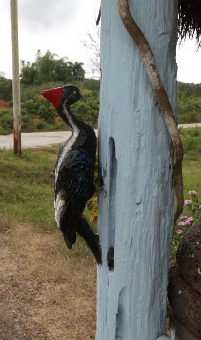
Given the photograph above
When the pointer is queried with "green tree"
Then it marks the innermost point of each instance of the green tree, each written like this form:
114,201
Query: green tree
28,73
77,70
189,102
49,68
62,70
188,90
5,88
45,67
92,84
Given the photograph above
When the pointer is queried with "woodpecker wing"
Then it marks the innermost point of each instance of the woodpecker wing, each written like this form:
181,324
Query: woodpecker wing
73,188
76,174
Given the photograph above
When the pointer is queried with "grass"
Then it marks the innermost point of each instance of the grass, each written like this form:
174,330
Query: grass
191,181
40,278
26,184
191,139
192,175
26,192
26,187
50,277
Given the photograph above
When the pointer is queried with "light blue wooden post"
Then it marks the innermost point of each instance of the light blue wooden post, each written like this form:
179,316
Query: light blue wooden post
136,208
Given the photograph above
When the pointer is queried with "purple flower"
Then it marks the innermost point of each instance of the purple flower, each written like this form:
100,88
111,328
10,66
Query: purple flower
190,219
183,217
181,223
192,192
179,232
187,222
187,202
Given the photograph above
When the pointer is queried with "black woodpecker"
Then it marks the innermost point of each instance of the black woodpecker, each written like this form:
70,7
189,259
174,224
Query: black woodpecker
74,171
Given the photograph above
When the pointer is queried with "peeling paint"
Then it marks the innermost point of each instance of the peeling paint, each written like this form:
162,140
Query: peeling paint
131,299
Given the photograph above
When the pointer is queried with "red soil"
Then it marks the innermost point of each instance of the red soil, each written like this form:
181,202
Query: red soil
4,105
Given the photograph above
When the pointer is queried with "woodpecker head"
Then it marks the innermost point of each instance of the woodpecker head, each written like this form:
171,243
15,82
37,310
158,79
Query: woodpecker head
57,96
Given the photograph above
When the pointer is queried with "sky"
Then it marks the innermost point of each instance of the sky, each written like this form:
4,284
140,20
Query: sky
61,26
58,26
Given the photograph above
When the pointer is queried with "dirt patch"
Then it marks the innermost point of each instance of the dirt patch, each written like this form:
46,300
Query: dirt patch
4,105
44,294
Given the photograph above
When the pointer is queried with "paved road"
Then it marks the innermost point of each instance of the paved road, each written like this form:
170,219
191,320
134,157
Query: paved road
38,139
35,139
186,126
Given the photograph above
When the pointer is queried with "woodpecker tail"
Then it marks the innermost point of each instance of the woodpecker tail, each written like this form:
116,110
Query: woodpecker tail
70,239
91,239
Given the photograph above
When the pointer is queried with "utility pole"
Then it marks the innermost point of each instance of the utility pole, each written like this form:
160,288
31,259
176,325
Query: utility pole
15,80
136,201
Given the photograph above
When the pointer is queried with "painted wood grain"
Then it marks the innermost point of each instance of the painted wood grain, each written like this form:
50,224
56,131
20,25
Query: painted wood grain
136,161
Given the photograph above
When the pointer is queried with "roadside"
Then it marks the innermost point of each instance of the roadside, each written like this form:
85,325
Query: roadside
38,139
45,293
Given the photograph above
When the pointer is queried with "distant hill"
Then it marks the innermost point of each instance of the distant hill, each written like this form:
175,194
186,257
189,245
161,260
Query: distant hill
188,89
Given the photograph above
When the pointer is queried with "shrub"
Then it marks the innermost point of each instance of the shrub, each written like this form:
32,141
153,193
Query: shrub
40,107
5,112
87,108
37,108
5,88
40,125
29,92
6,119
191,139
193,205
26,122
189,109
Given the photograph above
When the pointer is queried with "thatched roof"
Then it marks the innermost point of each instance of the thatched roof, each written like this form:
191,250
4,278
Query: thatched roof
190,19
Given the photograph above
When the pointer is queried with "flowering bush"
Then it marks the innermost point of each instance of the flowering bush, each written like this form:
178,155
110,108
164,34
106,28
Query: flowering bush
193,205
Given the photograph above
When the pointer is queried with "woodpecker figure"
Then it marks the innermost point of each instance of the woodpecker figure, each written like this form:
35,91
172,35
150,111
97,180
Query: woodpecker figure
74,171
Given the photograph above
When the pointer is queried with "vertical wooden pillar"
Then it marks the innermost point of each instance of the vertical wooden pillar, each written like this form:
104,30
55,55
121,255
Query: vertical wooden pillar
15,80
136,161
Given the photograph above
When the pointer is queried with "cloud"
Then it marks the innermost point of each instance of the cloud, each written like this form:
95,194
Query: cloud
45,14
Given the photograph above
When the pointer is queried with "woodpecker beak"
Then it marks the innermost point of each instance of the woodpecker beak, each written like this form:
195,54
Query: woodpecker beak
54,96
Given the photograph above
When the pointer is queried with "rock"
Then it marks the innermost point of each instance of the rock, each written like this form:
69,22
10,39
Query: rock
189,257
181,332
185,301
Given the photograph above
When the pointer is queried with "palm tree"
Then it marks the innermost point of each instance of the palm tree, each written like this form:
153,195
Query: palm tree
77,70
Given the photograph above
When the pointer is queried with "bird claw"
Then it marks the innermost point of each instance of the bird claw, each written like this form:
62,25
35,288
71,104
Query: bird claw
103,188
